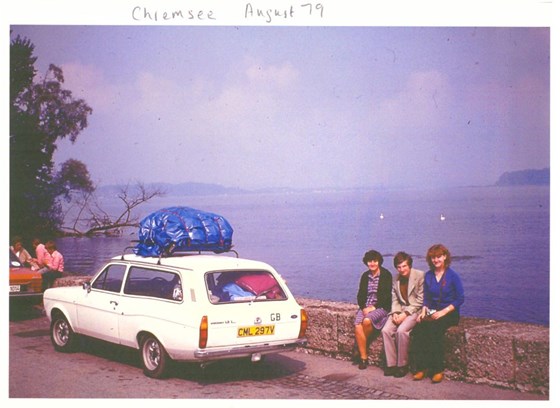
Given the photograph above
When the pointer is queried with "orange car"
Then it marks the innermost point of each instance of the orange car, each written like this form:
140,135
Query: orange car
26,285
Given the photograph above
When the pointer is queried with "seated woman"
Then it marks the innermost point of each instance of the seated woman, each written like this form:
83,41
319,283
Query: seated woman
443,297
374,301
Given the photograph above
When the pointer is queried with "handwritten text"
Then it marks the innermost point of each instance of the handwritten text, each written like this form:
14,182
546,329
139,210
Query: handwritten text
146,14
271,14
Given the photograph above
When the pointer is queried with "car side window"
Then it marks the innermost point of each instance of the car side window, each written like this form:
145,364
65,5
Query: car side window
153,283
111,278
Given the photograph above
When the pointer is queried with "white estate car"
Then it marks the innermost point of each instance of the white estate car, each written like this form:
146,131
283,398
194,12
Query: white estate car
192,308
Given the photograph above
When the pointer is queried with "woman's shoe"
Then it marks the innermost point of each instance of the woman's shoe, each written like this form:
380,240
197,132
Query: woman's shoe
419,375
437,378
363,364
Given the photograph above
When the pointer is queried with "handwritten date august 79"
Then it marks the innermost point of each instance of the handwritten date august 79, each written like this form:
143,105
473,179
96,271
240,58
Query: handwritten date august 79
271,14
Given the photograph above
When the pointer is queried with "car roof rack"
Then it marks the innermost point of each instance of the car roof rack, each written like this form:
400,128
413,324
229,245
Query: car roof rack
169,252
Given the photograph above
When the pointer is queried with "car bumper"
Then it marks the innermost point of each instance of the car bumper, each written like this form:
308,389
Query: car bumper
26,298
241,351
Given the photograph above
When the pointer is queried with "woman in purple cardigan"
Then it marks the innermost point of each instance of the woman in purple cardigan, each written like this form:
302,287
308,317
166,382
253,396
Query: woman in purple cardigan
443,297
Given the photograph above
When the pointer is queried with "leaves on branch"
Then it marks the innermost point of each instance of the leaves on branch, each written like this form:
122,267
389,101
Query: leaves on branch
42,112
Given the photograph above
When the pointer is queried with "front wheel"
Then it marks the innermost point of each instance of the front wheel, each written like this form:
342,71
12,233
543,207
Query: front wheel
63,337
154,357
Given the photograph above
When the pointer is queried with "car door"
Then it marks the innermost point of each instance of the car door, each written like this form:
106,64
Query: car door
149,302
98,314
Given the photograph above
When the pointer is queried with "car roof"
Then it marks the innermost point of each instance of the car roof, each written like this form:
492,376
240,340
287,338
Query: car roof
197,262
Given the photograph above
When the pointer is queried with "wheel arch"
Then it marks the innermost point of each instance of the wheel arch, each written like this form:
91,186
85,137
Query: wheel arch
64,307
57,312
142,334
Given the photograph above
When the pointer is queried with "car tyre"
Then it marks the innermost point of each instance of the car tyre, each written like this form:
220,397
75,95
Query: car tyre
63,337
155,359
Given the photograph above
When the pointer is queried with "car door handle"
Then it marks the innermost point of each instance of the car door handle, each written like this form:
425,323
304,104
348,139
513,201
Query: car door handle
114,302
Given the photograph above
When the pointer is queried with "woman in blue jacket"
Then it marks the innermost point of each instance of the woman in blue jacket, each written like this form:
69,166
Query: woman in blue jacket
443,297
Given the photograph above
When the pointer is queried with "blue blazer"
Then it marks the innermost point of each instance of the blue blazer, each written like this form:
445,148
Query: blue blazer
448,291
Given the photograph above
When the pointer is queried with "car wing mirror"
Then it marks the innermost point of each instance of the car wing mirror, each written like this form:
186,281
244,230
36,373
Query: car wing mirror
87,286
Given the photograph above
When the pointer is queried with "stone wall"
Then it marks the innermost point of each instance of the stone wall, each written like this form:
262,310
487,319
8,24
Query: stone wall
502,354
71,280
498,353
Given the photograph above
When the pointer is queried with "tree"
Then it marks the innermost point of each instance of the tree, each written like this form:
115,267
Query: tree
41,113
72,177
89,218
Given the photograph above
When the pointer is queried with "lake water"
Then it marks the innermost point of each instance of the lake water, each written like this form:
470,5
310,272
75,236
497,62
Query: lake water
499,238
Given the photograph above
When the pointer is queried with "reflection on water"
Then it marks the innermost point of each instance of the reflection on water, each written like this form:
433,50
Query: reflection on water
85,256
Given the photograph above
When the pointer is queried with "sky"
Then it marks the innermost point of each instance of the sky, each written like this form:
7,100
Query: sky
259,106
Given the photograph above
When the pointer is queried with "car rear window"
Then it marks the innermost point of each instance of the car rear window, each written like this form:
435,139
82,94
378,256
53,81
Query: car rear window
153,283
242,286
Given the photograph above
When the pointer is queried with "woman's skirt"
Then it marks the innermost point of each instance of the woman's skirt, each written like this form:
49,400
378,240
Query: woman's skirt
378,317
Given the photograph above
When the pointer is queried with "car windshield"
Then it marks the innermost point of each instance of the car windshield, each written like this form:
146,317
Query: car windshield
243,286
14,261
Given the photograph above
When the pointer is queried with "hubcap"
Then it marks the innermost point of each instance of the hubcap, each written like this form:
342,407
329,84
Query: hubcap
61,332
152,354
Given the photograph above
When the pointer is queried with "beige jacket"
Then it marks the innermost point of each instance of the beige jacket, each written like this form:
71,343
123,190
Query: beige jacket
415,293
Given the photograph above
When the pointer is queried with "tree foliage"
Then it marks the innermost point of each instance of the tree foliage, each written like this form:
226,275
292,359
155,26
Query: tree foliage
41,113
72,177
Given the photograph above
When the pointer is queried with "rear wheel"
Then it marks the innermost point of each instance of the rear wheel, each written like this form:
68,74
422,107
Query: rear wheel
63,337
154,357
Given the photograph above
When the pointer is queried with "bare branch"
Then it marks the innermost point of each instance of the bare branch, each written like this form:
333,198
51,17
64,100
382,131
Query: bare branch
99,221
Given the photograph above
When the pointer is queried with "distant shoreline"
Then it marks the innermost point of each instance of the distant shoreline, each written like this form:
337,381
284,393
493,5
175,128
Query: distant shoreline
525,178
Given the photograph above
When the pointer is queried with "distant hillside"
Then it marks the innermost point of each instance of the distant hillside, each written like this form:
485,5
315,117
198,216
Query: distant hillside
525,178
181,189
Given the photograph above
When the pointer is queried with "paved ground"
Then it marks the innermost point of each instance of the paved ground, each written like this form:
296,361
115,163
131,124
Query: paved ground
101,370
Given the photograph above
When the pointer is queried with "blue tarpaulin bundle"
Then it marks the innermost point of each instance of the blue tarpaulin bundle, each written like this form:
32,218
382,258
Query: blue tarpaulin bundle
183,229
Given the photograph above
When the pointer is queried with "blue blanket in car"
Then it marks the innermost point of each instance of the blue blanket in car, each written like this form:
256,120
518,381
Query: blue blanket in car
183,229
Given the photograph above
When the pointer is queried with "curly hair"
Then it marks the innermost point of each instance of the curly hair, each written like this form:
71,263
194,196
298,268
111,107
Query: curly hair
438,250
372,255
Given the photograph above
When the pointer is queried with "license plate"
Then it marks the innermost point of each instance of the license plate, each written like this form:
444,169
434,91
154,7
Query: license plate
255,331
15,288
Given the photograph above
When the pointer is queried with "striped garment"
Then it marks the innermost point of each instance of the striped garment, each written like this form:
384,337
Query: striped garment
378,317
